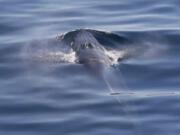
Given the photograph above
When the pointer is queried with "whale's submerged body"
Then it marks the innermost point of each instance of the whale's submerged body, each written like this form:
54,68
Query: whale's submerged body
90,52
96,50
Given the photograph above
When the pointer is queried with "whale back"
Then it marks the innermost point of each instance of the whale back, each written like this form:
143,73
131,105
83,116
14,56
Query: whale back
84,39
88,49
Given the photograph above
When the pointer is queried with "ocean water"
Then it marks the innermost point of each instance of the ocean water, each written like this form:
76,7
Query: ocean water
41,95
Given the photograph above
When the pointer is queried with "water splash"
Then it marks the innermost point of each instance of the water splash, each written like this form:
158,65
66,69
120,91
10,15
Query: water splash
57,57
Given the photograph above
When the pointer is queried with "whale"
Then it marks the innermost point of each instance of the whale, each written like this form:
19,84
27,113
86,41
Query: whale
92,49
88,51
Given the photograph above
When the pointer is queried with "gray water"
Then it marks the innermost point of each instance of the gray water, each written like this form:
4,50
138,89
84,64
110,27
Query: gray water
54,98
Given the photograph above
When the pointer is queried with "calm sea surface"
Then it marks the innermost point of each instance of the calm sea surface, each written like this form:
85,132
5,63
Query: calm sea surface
51,98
